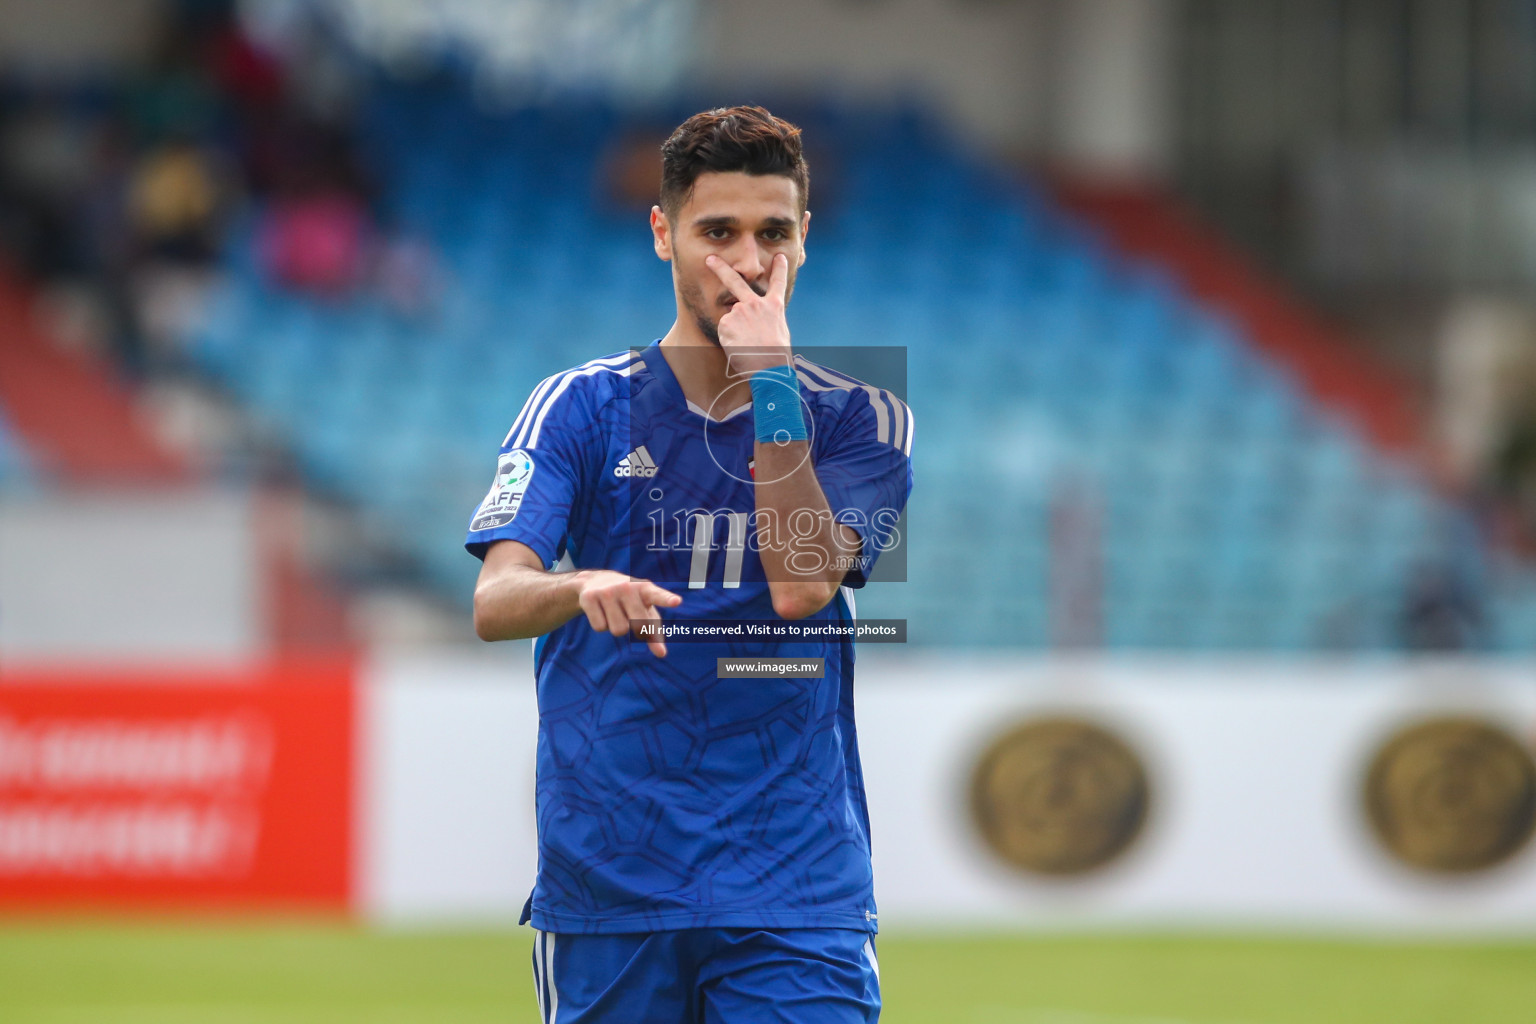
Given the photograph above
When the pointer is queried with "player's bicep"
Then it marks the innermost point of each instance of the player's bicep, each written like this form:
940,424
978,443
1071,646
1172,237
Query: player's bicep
505,556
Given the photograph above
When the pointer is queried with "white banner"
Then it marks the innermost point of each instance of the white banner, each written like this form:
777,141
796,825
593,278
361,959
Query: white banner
1254,776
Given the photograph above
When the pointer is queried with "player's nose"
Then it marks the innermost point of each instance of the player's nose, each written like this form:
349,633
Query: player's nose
749,263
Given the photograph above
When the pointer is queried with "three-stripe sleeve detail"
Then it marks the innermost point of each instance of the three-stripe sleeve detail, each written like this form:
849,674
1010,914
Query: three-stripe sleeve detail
525,429
893,420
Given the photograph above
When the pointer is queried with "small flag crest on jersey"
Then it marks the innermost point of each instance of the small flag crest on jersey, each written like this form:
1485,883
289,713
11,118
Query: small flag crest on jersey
636,463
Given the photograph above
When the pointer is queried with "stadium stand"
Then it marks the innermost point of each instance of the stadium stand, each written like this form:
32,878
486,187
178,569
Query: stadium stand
78,418
1058,386
1333,367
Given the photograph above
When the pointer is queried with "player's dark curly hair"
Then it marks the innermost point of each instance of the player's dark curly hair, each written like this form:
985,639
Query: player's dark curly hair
730,139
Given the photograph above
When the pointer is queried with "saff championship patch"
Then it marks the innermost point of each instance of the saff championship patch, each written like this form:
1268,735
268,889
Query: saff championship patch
513,471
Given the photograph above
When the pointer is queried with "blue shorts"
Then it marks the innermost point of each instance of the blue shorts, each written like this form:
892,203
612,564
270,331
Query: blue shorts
708,976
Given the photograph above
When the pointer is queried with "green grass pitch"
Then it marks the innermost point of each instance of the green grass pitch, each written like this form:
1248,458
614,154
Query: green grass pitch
264,972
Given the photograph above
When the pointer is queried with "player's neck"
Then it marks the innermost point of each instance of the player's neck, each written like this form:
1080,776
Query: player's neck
699,366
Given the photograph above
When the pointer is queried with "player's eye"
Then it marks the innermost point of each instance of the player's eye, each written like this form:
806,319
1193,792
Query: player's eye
776,235
717,234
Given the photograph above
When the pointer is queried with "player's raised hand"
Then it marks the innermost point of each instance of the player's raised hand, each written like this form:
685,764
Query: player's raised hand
754,332
613,601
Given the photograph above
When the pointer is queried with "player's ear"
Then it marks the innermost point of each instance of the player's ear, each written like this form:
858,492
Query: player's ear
805,227
661,233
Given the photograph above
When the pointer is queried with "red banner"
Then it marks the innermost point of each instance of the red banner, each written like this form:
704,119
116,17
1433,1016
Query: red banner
178,789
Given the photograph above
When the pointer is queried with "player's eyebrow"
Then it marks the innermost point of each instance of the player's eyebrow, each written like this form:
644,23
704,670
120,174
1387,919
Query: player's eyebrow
725,220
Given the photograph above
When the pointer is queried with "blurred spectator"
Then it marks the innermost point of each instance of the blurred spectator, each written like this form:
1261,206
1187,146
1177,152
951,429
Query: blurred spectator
1440,612
178,198
317,233
1514,470
249,76
315,243
176,98
408,276
175,198
46,163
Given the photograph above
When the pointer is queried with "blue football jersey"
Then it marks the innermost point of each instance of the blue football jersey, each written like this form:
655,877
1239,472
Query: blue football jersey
669,798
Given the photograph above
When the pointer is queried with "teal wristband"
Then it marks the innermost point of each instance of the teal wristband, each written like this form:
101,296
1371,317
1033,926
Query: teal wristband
776,405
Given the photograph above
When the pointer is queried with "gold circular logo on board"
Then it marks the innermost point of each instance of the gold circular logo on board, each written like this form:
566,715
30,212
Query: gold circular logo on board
1059,796
1452,795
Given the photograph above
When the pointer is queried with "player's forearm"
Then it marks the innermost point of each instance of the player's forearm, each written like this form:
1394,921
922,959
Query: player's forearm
805,554
522,602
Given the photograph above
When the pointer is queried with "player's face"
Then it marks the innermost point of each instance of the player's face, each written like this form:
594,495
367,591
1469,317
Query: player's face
744,219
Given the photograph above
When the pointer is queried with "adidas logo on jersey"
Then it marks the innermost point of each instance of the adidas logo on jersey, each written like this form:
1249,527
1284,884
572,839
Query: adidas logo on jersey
636,463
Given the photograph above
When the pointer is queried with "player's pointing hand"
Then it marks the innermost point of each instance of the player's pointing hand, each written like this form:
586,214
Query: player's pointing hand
613,601
753,331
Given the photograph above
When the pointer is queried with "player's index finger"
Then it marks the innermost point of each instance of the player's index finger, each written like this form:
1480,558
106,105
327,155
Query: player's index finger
658,595
727,273
645,623
778,276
